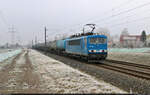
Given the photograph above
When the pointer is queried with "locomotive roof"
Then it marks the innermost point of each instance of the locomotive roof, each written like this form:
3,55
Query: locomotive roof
87,36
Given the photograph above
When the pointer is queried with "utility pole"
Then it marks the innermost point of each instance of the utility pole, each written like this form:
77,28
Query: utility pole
12,31
45,36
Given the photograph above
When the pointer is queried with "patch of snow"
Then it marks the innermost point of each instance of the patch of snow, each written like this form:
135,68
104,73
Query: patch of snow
25,86
6,55
5,50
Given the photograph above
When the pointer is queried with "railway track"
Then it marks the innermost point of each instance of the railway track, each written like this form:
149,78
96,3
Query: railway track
129,64
133,69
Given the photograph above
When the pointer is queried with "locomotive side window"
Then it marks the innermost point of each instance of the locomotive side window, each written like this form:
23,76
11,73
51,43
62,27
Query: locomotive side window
74,42
98,40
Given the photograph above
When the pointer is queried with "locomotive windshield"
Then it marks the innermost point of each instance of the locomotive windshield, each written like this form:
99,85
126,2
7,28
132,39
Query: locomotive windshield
97,40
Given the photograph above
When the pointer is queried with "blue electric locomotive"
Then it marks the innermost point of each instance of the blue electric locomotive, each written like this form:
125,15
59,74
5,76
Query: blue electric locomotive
90,47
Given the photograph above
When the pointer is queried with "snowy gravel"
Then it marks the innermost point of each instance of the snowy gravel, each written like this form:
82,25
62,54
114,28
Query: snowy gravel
60,78
6,55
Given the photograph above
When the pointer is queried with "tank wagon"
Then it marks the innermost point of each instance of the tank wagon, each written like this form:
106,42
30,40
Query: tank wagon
60,44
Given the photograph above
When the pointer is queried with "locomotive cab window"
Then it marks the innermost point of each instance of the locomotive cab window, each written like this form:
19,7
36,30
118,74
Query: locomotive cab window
98,40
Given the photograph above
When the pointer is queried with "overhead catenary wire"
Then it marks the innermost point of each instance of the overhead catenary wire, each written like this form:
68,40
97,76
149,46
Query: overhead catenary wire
126,17
127,11
122,4
113,9
127,2
123,12
144,18
115,15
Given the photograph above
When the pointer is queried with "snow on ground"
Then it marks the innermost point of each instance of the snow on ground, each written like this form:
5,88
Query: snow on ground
60,78
133,50
4,50
140,56
13,81
8,61
6,55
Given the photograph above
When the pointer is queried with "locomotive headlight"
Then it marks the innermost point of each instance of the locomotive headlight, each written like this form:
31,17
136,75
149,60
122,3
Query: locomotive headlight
90,50
94,50
100,50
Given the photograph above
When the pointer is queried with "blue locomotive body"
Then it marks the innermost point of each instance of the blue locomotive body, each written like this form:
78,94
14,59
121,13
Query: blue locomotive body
76,46
92,46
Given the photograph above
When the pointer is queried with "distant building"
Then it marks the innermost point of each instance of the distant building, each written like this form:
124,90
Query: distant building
130,41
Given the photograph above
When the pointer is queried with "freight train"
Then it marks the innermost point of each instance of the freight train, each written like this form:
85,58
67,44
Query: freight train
87,46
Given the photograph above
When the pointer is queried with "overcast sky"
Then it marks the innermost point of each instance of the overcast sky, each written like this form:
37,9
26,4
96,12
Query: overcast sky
67,16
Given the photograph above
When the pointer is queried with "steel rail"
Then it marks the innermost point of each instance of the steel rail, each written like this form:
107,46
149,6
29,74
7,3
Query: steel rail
129,64
127,71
